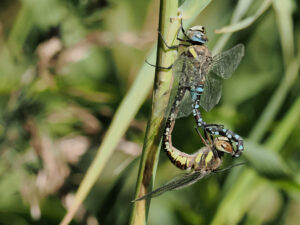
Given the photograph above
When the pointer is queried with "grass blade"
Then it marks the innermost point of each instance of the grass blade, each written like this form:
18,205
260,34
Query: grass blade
245,22
124,115
189,10
239,11
283,12
276,101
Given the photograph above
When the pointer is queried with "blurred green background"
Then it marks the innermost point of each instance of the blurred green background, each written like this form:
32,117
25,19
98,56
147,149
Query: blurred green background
66,65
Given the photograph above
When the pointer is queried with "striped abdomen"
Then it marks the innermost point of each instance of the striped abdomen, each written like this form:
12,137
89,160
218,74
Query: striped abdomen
178,158
196,93
205,158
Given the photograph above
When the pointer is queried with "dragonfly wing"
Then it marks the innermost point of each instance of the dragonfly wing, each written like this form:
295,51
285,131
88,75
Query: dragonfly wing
225,63
172,93
186,72
181,71
190,179
175,184
172,97
184,180
185,106
212,92
189,72
176,73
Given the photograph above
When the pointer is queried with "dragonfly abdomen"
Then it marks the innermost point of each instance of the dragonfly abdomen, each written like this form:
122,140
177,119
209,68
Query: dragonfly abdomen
204,159
196,93
179,159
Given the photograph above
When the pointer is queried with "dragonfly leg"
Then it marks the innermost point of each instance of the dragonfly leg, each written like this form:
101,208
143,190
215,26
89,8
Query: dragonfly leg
159,67
179,39
209,137
183,31
207,125
173,46
204,140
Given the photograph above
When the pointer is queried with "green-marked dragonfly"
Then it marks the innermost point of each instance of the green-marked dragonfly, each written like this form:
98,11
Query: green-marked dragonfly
202,163
198,79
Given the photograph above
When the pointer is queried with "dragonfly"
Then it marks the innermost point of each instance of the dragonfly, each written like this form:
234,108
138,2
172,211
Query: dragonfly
201,164
197,81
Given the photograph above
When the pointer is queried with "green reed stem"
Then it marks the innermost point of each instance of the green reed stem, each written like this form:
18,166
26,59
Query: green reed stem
168,25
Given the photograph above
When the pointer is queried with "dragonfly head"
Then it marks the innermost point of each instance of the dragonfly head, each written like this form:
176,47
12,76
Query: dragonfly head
197,34
223,144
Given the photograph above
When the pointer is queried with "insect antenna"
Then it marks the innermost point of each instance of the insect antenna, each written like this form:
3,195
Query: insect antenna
203,140
159,67
209,137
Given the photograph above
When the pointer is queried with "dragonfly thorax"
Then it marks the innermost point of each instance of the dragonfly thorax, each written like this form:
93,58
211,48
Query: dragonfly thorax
197,34
197,64
209,158
199,53
206,159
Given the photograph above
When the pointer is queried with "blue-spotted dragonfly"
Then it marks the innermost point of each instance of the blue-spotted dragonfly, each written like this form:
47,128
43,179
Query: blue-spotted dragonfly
201,164
197,82
198,79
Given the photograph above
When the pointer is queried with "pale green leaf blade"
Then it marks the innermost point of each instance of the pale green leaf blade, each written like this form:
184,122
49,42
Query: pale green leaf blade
247,21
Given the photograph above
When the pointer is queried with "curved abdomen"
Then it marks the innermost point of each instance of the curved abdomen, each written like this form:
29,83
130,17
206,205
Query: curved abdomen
204,159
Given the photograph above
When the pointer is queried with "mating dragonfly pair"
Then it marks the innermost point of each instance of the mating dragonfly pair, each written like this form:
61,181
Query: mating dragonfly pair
197,82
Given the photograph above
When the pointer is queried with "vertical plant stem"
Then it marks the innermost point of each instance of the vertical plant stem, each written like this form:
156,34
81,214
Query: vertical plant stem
168,25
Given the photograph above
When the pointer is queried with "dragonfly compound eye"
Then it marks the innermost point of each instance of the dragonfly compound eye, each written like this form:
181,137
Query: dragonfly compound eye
197,28
223,145
197,34
202,29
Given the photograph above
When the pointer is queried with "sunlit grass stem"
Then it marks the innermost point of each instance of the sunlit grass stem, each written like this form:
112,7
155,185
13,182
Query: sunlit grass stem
168,26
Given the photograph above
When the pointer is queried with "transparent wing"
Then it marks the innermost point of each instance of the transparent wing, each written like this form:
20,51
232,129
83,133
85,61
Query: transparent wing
184,180
187,72
173,93
180,82
173,90
212,92
225,63
185,106
175,184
